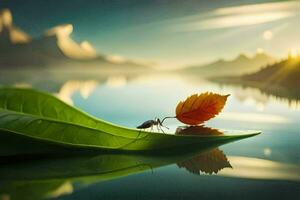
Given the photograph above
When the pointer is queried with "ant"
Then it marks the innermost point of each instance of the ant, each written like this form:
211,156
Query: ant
156,122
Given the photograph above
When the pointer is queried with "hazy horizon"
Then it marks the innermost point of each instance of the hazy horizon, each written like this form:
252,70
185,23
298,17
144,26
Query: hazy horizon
169,34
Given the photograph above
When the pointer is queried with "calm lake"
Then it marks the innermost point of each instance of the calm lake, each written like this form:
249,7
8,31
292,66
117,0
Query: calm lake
266,166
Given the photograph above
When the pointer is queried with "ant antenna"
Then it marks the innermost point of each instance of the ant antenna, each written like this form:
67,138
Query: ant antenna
166,118
161,122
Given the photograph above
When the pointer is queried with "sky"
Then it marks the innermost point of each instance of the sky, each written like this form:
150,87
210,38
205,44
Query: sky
169,33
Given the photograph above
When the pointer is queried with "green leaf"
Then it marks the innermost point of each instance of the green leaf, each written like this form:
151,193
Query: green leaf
40,178
28,116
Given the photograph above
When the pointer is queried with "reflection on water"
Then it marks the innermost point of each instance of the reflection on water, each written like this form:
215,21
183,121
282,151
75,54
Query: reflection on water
45,178
68,83
262,97
254,117
128,100
254,168
50,178
210,162
55,177
246,96
69,88
116,81
197,130
63,189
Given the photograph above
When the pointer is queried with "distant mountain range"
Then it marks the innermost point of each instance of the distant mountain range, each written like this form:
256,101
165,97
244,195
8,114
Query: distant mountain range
281,78
285,74
242,64
54,48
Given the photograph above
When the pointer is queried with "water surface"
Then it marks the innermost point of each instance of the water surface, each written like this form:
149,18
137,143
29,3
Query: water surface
263,167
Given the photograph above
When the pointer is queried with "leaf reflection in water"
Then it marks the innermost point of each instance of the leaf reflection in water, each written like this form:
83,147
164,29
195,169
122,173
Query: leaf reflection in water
197,130
52,177
208,162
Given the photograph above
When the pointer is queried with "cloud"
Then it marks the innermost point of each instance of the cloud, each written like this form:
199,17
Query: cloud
116,59
69,88
263,7
237,20
68,46
238,16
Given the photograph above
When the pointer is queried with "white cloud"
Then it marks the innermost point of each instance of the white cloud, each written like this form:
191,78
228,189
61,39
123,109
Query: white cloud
238,16
263,7
237,20
69,88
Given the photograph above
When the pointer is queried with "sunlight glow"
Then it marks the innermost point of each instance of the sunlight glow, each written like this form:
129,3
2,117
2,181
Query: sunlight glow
267,151
255,168
268,35
259,51
293,53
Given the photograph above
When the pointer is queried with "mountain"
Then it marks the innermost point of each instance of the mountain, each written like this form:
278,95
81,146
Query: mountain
54,49
283,74
242,64
281,79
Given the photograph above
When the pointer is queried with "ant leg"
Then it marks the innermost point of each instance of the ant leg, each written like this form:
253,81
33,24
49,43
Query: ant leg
165,127
160,128
160,122
157,128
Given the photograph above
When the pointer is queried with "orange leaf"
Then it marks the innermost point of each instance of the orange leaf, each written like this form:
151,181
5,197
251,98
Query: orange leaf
197,130
197,109
208,162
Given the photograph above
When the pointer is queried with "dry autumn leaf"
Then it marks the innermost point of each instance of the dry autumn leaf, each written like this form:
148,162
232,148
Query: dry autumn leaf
197,130
197,109
208,162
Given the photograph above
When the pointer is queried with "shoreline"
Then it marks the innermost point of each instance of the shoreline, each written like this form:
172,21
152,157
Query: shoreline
275,90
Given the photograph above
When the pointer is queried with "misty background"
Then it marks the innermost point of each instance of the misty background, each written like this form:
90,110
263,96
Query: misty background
169,34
